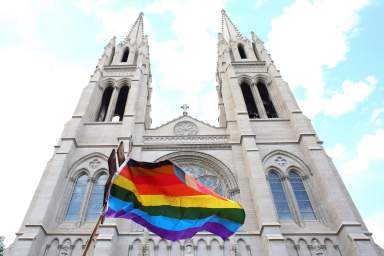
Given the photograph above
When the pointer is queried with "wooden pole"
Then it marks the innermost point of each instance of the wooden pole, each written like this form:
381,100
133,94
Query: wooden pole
112,170
91,237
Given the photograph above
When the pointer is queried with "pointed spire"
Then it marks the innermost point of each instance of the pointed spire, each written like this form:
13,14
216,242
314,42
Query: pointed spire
136,34
228,29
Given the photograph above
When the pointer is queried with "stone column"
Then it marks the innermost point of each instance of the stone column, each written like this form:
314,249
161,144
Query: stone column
112,105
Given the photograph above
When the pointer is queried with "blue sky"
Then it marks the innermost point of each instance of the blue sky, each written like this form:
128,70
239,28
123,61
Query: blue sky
330,52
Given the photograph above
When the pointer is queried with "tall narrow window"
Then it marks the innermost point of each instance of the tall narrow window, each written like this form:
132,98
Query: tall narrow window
125,55
104,104
301,195
267,102
240,47
249,101
73,213
96,200
279,197
120,104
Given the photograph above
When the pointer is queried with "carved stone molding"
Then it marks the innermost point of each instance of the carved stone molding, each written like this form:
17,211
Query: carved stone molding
186,139
280,160
94,163
185,128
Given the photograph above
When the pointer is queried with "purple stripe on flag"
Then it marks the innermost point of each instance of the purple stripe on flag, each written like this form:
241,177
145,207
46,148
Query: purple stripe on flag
212,227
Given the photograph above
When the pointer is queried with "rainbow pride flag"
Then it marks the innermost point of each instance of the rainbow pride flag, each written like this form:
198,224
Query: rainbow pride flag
164,199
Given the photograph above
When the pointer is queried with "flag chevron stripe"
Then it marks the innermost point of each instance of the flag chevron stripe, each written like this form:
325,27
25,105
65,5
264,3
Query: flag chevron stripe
140,171
176,235
167,223
236,215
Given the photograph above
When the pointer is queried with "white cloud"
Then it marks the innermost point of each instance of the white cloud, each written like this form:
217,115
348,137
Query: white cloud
113,21
315,37
376,116
187,62
352,94
369,149
38,96
375,224
337,152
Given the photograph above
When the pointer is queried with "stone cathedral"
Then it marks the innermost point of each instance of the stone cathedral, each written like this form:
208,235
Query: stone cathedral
264,154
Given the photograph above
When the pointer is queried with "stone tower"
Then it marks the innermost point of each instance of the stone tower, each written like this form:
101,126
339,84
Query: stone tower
264,154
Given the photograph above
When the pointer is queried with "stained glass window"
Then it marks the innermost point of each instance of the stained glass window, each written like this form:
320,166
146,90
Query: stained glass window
205,177
73,213
96,200
301,195
279,196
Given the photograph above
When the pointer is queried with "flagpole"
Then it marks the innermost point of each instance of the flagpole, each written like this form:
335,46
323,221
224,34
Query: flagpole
91,237
112,170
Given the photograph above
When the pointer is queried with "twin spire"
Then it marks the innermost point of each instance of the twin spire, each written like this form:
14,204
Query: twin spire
228,29
136,34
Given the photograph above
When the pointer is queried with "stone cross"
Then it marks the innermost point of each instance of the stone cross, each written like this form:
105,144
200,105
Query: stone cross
185,107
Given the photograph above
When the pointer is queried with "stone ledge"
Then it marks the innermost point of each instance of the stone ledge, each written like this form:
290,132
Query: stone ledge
358,237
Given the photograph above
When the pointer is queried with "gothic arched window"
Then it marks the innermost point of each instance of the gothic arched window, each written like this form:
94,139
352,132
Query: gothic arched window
96,199
125,55
279,197
301,195
102,114
249,101
74,208
121,101
267,102
241,49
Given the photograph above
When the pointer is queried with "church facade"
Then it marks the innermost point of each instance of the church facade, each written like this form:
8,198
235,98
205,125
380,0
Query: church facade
264,154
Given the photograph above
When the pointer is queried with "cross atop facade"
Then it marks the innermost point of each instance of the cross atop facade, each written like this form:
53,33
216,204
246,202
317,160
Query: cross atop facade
185,107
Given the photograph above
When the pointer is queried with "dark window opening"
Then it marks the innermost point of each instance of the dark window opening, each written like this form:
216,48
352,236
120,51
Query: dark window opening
255,51
249,101
104,104
121,101
125,55
267,102
240,47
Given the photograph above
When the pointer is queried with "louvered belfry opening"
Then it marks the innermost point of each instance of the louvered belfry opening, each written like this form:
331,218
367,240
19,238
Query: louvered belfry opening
125,55
267,102
249,101
102,114
121,102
